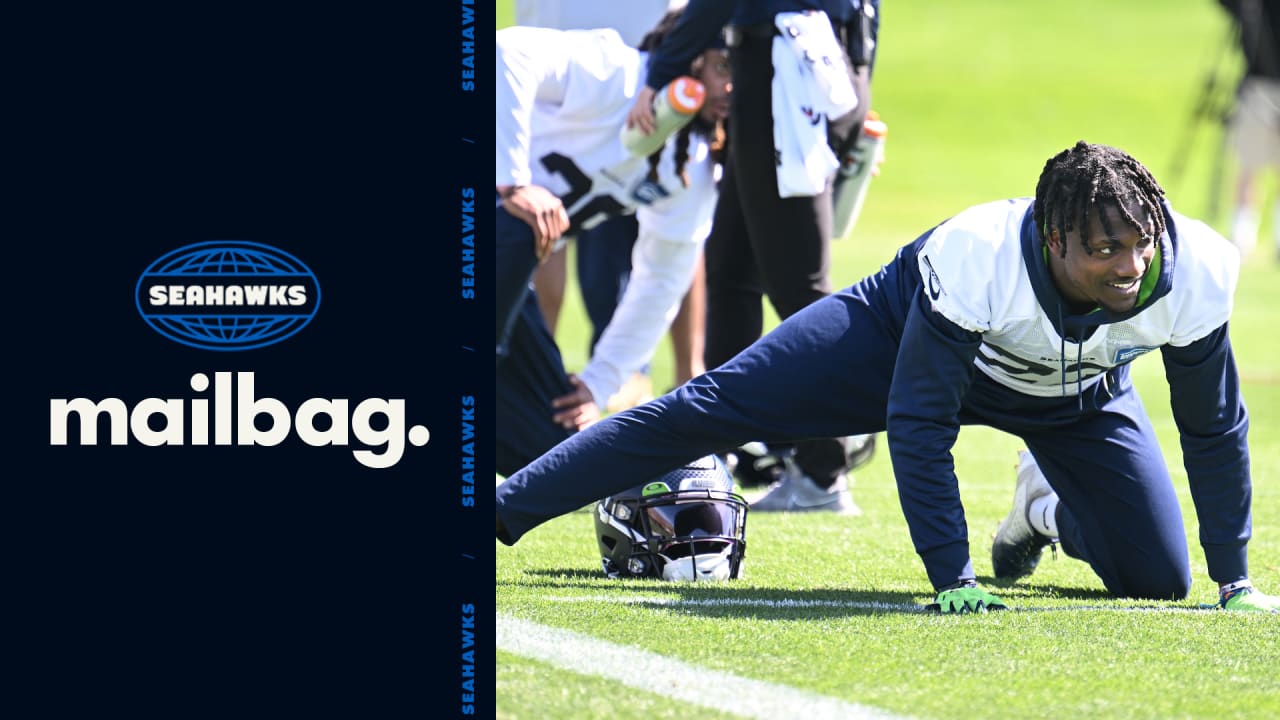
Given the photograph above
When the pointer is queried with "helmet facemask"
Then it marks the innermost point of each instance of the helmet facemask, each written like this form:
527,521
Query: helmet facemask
681,535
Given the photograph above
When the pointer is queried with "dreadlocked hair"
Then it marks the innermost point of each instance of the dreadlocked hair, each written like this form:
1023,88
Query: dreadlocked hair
1085,176
717,134
682,157
717,139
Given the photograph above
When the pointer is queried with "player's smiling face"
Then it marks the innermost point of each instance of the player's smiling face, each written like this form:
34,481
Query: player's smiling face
712,69
1109,272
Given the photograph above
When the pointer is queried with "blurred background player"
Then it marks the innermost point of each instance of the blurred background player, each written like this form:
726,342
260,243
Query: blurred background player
561,168
792,120
1254,126
603,252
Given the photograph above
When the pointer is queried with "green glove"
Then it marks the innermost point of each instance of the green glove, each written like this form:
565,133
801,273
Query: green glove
1246,599
966,598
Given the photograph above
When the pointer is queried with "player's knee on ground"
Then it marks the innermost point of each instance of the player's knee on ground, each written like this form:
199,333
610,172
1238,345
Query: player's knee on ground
1148,578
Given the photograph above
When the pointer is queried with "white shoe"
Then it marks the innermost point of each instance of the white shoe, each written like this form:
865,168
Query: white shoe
1017,546
859,450
797,492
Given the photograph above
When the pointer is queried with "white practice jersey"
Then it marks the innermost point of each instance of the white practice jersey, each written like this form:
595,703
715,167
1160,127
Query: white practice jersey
974,270
562,99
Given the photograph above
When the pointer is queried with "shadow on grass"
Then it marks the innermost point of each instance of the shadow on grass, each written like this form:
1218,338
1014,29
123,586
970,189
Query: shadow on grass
742,600
1044,590
576,574
722,599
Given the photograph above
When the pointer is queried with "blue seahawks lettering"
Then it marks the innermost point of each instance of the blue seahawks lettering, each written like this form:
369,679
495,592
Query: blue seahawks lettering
1124,355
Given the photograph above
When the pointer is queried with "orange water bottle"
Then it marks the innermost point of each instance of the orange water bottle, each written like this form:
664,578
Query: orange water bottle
673,107
856,170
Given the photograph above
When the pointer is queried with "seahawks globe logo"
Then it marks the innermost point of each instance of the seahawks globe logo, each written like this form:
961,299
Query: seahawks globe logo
227,295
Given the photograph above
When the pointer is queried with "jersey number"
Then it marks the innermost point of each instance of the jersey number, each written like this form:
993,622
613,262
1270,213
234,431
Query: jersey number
603,206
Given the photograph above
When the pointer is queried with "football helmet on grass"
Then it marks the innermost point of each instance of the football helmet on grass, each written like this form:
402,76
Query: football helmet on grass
685,525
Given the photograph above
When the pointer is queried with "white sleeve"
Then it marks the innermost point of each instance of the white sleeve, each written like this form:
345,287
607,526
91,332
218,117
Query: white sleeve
544,70
661,271
671,236
1208,269
956,271
529,70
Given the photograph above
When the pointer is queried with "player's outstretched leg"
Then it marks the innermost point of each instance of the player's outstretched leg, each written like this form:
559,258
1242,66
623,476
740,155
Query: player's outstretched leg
824,372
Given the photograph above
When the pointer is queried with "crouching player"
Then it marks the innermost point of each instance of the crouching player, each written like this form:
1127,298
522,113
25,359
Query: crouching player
1022,315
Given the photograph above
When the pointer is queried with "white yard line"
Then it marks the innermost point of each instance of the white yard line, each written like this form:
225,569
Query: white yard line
851,604
671,678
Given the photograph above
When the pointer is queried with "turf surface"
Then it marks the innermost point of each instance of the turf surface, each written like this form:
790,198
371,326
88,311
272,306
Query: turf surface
977,96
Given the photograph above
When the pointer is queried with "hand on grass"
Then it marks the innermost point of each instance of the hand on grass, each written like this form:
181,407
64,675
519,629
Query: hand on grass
967,598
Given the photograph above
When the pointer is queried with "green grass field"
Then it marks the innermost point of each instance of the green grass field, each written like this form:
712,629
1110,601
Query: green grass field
977,96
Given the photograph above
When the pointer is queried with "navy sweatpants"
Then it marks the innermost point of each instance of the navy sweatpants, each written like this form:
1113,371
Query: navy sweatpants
514,263
525,381
529,371
825,372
